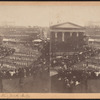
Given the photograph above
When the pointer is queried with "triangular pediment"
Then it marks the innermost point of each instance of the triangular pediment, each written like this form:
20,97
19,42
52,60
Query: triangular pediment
67,25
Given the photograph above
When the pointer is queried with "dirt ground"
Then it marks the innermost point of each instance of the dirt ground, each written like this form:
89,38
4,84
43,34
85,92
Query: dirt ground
92,86
40,83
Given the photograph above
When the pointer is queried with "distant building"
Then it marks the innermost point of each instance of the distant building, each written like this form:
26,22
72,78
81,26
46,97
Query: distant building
93,32
66,37
19,34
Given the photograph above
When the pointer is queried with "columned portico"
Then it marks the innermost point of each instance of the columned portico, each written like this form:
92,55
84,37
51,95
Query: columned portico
55,34
67,36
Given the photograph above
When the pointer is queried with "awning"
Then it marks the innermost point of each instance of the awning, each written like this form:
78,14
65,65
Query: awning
37,40
52,73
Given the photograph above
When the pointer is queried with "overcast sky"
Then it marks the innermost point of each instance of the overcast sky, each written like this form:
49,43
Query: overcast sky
46,15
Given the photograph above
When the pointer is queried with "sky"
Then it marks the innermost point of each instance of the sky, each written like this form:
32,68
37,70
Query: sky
48,15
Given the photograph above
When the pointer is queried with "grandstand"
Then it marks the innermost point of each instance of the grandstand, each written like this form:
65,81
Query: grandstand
22,58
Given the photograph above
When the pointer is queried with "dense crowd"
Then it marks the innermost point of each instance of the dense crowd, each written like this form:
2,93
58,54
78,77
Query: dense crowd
73,76
67,61
37,66
5,51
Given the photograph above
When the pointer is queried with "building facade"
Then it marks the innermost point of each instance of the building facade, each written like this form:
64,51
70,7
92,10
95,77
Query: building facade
66,37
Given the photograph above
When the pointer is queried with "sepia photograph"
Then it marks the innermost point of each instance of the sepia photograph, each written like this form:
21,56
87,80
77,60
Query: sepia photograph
49,48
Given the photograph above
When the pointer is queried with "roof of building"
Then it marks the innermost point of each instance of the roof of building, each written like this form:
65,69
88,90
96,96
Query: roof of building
66,25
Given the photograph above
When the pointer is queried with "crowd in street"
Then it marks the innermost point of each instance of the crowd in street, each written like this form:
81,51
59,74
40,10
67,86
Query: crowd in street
37,66
73,76
5,51
67,61
37,69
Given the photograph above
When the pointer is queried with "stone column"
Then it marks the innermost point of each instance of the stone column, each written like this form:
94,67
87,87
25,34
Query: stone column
63,36
55,34
77,34
70,33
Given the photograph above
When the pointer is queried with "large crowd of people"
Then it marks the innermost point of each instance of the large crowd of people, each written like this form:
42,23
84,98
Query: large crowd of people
67,61
5,51
70,76
39,65
73,76
38,68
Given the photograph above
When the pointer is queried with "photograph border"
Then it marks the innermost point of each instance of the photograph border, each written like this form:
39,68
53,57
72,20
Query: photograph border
51,95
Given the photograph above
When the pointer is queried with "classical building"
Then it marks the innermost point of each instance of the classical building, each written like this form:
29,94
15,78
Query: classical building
66,37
